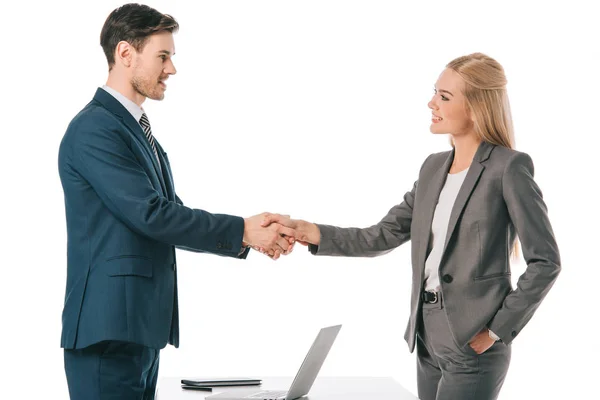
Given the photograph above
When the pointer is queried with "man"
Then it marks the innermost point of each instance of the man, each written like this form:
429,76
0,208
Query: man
124,220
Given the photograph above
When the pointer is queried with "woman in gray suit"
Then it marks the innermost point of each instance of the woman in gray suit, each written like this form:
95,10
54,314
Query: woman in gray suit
463,216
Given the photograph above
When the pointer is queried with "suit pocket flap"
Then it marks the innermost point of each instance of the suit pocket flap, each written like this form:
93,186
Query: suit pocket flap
492,276
129,265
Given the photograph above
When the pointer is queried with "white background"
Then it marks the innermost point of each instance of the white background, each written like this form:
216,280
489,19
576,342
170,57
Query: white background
317,109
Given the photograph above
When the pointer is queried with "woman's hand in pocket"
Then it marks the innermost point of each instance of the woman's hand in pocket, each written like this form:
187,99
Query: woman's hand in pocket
482,341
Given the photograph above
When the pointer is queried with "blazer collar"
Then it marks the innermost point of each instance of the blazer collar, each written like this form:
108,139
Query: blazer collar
114,106
434,188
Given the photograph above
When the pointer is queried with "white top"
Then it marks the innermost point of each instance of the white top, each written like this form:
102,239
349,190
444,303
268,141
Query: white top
439,228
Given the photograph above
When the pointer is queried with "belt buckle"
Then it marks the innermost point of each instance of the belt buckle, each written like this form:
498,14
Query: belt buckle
435,297
428,298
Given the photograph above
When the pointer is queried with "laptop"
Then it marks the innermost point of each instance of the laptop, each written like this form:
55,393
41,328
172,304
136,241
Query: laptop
304,378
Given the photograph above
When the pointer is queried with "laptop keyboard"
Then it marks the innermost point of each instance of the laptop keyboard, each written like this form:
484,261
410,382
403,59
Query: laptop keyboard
269,395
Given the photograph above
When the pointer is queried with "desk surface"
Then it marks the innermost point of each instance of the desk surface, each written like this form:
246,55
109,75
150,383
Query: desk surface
326,388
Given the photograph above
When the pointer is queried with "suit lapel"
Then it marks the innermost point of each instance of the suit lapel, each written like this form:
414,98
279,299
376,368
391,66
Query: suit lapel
430,200
469,184
433,194
135,127
168,177
114,106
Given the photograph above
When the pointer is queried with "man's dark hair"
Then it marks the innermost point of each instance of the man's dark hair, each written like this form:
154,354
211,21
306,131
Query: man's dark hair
133,23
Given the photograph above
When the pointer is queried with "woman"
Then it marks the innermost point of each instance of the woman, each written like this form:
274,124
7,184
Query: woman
462,216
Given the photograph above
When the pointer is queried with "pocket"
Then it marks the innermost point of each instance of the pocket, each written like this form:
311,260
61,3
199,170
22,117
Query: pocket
469,351
492,276
128,265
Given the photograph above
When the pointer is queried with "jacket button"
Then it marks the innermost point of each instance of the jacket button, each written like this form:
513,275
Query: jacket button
513,333
174,266
447,278
219,245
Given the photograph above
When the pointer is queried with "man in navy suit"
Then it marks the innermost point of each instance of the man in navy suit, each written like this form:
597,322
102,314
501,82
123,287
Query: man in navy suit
124,220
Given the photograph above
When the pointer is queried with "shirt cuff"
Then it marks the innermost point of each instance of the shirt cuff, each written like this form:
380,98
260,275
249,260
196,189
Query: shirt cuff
493,335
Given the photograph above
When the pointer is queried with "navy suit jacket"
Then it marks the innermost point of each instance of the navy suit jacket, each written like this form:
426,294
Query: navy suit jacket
124,221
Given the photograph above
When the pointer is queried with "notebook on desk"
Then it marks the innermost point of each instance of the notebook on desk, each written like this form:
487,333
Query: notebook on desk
221,382
304,378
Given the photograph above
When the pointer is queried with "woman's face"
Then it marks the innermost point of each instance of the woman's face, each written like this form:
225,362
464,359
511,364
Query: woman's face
449,106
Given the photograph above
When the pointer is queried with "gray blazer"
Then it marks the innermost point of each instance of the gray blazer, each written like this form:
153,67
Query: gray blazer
498,200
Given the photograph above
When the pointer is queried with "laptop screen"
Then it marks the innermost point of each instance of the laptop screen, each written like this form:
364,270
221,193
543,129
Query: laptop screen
312,362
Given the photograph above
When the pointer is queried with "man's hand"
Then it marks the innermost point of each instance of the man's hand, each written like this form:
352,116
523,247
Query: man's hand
482,342
306,232
273,239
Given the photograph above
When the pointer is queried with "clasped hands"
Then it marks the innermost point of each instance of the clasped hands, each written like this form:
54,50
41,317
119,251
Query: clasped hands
276,234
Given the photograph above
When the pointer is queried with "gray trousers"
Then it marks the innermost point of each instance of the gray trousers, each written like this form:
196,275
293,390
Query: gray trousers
448,372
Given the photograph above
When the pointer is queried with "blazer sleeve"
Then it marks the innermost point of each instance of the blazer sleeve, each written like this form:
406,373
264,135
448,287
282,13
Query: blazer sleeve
392,231
178,201
529,215
242,254
102,157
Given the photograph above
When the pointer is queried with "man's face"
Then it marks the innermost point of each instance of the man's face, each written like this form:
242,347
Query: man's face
152,66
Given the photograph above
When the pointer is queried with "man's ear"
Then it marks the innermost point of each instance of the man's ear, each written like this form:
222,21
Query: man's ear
124,53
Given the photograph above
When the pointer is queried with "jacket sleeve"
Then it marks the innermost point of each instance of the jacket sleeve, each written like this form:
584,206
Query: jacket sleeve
389,233
529,215
103,158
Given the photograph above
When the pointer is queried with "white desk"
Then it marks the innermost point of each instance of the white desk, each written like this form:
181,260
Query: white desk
326,388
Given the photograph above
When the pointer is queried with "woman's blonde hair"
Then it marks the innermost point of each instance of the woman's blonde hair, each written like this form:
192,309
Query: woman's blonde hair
487,100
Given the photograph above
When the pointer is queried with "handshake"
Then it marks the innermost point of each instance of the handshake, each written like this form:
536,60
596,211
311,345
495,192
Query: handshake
276,234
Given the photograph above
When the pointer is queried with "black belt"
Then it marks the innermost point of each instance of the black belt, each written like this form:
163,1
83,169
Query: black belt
430,297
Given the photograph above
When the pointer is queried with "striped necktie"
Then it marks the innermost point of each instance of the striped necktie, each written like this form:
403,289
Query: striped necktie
148,131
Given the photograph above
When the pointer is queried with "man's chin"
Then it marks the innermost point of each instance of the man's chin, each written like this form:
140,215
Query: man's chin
157,96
